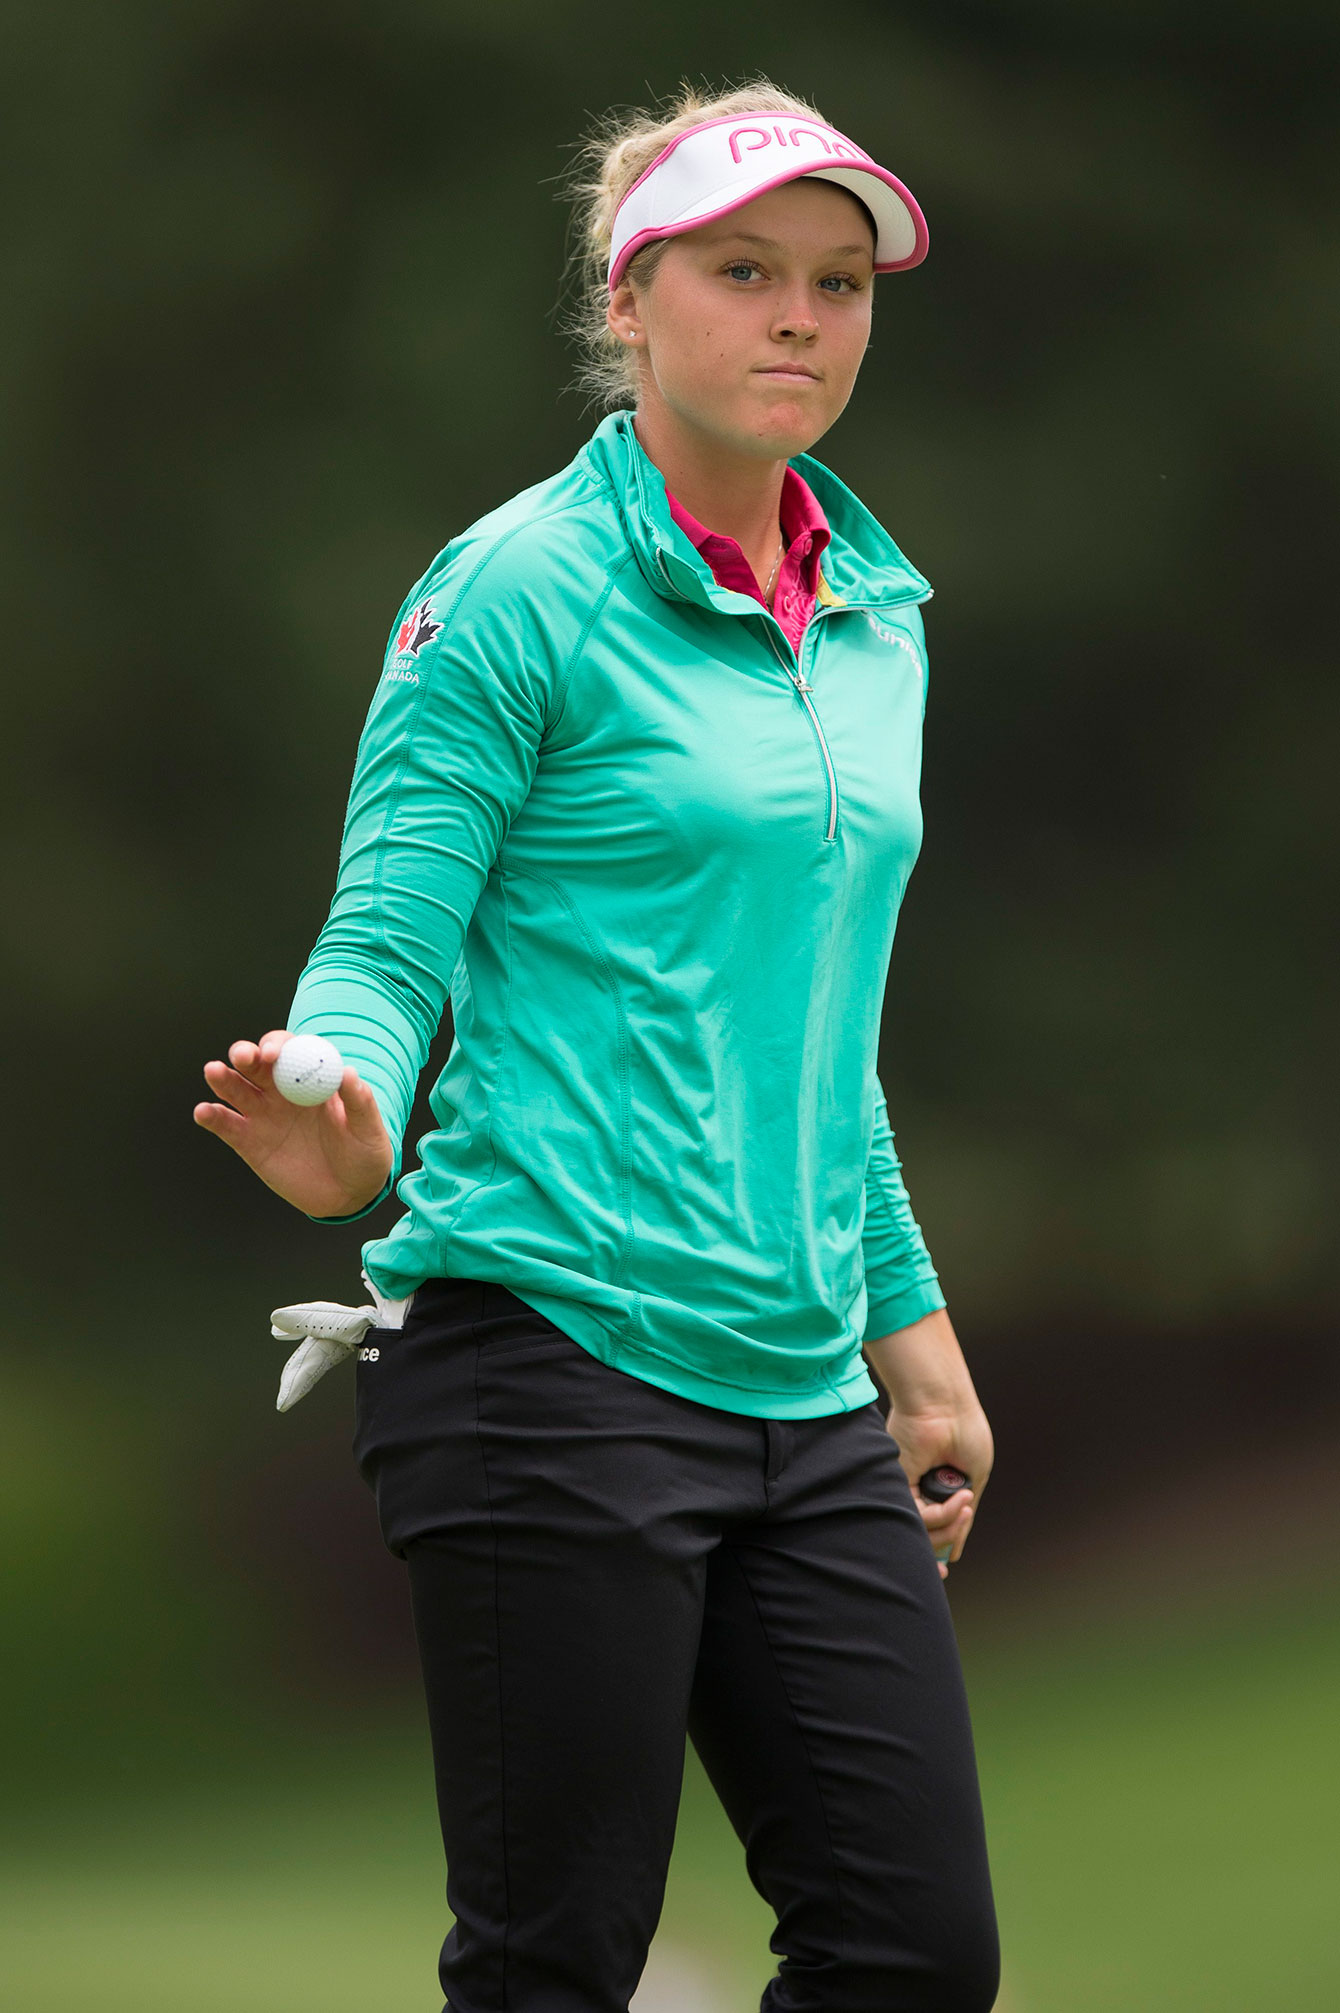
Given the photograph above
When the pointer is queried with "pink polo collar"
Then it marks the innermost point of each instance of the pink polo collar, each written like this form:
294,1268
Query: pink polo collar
806,532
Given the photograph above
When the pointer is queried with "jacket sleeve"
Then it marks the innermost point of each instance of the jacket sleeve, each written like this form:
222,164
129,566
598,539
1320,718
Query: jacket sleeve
901,1282
445,761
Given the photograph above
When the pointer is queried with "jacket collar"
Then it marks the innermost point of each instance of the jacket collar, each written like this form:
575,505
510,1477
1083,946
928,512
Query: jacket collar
861,568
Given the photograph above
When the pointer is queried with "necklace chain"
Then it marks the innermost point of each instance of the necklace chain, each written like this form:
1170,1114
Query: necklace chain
767,591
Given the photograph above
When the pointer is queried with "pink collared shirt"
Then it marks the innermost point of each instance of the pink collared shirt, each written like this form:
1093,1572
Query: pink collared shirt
805,530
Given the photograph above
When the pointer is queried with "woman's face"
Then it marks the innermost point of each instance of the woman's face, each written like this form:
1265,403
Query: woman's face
752,329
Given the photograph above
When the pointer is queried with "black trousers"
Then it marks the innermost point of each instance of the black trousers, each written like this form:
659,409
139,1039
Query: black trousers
597,1566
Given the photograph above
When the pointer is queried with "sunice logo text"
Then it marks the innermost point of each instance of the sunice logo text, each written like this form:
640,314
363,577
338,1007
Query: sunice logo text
892,636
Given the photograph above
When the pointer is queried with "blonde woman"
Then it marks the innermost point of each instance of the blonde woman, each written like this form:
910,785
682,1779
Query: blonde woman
638,792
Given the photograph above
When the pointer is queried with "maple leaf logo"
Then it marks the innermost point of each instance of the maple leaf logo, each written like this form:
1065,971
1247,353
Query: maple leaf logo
417,629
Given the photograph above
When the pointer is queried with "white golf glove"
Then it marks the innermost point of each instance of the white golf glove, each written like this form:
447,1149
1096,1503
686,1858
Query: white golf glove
326,1332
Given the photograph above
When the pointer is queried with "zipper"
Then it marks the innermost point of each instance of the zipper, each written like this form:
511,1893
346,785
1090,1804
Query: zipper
803,691
796,674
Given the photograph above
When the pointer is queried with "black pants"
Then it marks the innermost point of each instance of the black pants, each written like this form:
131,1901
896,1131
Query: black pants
597,1566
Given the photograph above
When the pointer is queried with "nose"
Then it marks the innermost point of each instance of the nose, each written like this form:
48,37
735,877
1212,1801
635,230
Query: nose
796,322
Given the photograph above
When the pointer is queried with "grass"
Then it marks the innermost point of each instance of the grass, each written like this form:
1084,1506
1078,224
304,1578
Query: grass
1164,1818
1161,1806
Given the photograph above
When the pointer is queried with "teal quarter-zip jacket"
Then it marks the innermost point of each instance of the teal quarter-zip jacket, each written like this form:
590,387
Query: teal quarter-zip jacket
655,861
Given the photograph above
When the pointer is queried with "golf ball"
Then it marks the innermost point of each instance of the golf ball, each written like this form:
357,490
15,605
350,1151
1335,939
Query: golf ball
308,1069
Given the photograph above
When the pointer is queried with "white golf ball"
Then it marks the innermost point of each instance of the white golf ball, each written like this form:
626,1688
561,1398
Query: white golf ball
308,1069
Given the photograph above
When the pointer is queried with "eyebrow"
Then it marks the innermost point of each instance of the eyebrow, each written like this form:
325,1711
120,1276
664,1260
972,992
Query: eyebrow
772,245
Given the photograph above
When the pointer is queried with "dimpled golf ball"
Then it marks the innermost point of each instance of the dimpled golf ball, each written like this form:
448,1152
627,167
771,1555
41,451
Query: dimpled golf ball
308,1069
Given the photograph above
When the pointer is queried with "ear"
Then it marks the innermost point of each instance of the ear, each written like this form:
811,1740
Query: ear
622,317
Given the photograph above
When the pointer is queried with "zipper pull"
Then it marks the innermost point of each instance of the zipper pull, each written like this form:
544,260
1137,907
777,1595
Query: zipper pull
802,682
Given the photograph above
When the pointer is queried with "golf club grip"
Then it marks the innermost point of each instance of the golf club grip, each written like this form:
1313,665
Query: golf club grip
937,1485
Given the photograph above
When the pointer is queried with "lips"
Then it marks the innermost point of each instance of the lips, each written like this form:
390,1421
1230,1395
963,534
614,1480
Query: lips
788,370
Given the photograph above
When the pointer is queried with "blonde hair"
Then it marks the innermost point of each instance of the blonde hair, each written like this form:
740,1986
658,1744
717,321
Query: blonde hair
617,152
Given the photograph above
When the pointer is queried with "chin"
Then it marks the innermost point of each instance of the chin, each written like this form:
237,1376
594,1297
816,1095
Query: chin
780,443
771,434
788,426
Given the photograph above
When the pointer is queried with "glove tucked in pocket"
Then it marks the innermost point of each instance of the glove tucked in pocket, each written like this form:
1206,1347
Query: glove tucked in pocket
326,1333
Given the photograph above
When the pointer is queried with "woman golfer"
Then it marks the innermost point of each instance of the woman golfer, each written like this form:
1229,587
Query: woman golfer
638,793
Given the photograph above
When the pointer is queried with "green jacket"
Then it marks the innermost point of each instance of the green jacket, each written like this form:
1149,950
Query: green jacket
656,864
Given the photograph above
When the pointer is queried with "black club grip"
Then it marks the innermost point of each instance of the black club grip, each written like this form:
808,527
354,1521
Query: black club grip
937,1485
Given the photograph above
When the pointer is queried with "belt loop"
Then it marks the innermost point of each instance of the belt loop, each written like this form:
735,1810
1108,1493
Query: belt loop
775,1439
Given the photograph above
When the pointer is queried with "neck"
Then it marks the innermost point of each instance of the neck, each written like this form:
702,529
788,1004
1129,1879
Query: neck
737,495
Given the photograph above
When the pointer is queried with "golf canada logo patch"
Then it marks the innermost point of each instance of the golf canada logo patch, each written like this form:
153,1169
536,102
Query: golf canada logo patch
416,631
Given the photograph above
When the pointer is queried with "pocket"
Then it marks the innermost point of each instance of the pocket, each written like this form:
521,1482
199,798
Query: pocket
373,1360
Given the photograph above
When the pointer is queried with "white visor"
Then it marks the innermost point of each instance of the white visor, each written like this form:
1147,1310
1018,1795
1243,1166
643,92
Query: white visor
714,168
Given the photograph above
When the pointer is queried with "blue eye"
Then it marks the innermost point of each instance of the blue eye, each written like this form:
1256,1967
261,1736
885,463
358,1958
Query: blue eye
738,266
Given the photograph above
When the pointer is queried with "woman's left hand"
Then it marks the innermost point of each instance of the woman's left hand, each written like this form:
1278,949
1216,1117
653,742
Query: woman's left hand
937,1421
960,1442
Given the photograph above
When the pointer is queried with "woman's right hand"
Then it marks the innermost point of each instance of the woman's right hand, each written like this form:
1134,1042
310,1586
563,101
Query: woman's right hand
328,1159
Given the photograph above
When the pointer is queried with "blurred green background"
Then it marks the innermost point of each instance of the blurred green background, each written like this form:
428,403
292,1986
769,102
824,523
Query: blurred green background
281,300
